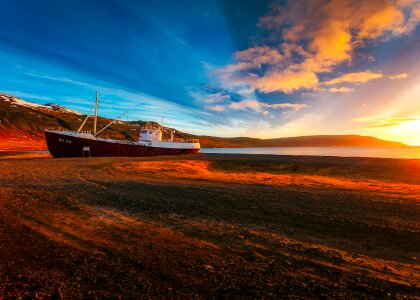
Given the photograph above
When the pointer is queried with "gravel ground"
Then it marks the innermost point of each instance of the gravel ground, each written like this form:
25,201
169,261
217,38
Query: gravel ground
209,226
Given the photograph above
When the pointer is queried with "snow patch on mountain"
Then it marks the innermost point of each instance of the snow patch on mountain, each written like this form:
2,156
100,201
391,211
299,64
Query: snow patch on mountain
60,108
14,102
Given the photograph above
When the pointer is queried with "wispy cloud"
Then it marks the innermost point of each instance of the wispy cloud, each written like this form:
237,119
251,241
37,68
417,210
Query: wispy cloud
27,95
341,90
131,98
247,103
386,122
216,97
217,108
293,106
398,76
357,77
258,106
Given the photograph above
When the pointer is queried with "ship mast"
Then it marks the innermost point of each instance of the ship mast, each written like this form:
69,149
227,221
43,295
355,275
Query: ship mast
96,113
88,115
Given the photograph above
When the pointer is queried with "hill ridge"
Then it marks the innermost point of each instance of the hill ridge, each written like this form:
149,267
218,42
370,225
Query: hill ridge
23,122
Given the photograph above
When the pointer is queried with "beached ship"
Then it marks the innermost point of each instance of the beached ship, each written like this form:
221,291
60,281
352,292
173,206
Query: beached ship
63,143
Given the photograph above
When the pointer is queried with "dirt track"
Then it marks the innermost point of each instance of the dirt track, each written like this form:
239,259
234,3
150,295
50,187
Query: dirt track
223,226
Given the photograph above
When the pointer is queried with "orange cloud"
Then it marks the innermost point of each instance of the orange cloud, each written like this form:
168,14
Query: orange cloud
390,18
331,44
317,36
398,76
357,77
341,90
286,82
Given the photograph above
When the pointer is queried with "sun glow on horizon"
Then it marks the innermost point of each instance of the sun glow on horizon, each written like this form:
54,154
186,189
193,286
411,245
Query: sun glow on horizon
407,132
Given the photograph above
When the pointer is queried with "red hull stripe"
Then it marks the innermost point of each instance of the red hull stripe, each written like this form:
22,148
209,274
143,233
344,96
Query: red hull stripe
61,145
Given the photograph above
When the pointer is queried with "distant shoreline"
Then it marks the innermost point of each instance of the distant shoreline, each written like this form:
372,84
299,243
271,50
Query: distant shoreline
378,152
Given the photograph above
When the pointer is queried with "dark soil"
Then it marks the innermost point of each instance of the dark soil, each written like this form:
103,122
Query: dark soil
79,228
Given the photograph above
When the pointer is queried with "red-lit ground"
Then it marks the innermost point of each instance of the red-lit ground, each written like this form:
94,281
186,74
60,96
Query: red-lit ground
22,142
210,226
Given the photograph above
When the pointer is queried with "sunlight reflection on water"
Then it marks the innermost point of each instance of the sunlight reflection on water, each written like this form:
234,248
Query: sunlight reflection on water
384,152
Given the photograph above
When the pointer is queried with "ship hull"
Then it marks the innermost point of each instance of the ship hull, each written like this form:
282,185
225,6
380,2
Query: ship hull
62,145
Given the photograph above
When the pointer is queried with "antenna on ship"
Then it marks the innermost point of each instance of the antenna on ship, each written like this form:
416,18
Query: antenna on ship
115,120
96,114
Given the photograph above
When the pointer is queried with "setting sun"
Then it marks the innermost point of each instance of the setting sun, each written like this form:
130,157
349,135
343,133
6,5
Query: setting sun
407,132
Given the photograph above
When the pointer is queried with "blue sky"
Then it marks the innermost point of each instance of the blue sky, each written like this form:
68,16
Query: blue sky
226,68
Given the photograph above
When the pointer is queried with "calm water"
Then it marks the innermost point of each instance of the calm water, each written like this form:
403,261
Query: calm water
386,152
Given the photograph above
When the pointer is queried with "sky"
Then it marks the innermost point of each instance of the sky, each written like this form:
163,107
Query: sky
263,69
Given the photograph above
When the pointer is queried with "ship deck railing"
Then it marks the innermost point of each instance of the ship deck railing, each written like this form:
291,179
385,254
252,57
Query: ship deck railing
88,134
181,140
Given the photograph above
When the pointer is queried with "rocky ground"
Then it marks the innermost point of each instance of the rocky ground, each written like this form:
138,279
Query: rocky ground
209,226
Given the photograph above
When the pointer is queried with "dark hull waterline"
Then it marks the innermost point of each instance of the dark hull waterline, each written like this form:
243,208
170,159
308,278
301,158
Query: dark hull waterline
62,145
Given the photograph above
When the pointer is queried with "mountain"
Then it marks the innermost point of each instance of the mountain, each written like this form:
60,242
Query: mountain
22,126
22,123
300,141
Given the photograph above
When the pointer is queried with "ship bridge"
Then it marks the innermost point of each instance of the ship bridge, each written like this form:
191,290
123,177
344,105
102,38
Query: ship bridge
150,134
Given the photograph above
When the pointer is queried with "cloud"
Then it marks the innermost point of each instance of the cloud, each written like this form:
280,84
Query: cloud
257,105
293,106
245,91
260,55
390,18
357,77
304,39
342,89
331,45
217,108
247,103
236,67
217,97
286,82
387,122
253,58
398,76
